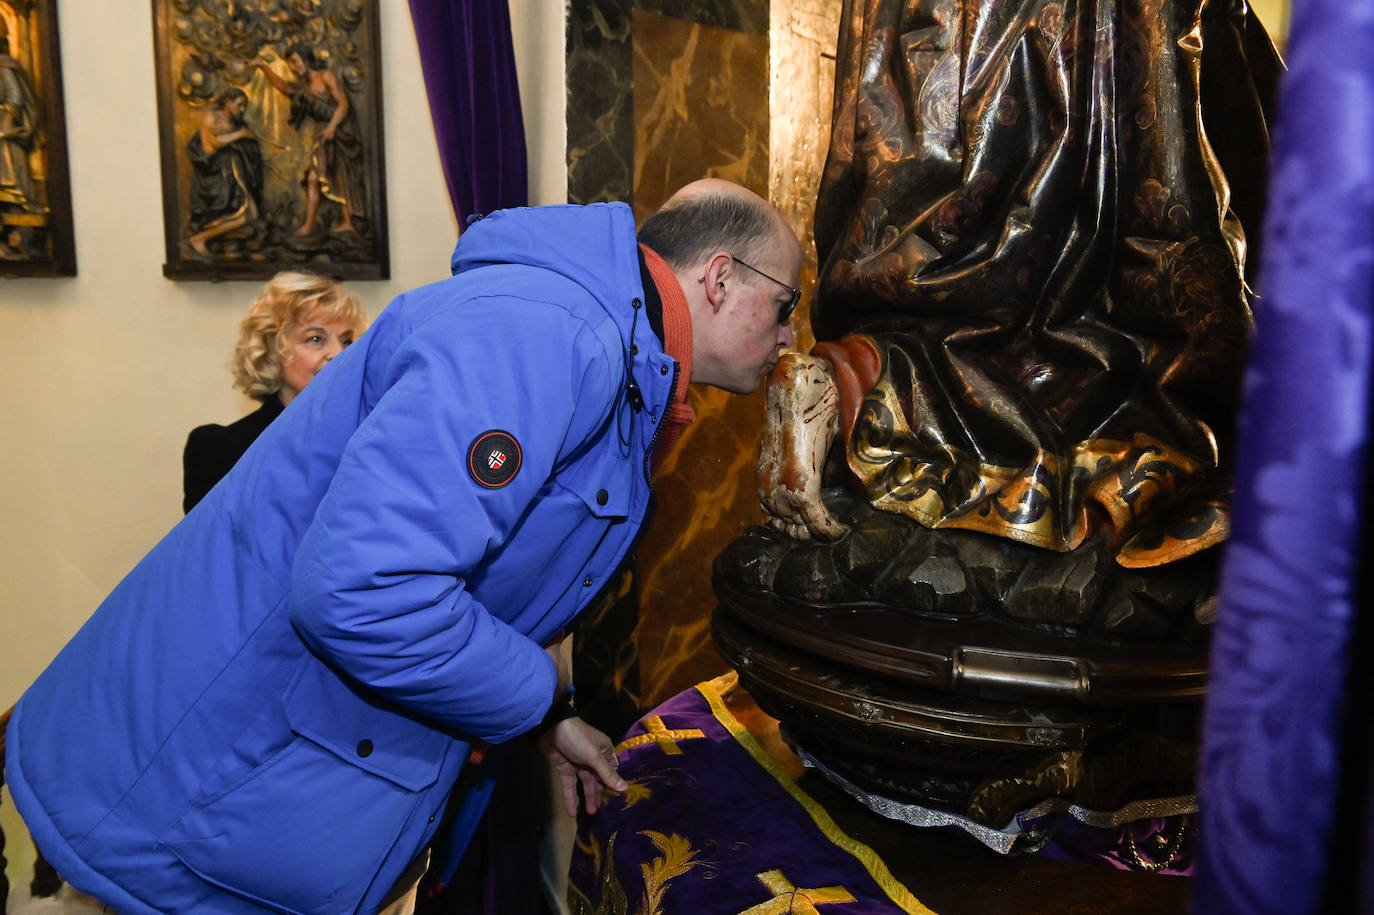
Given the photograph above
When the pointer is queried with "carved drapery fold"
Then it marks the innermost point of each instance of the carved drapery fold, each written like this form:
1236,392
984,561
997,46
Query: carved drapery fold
1029,206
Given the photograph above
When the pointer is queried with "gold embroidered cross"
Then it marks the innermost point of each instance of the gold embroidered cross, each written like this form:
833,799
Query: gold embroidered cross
659,734
788,900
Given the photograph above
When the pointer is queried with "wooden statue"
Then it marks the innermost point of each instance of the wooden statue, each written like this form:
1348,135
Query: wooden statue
997,484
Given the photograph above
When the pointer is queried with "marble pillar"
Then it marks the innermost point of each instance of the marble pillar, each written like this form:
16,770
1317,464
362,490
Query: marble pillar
661,92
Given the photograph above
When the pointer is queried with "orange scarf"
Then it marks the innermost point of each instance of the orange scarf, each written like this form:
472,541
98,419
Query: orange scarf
677,343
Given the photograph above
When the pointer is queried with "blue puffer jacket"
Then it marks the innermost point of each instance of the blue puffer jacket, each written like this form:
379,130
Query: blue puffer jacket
271,709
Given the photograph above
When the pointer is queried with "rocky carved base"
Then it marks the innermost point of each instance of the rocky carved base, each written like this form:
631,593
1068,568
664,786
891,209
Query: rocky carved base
889,561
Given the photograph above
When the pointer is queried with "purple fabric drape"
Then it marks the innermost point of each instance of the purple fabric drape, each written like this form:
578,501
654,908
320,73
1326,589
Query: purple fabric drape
474,100
1284,804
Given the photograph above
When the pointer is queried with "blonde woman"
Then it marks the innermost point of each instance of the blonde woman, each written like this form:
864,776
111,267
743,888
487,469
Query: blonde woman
298,323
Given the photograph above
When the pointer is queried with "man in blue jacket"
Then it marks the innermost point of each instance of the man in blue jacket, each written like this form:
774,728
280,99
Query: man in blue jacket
271,711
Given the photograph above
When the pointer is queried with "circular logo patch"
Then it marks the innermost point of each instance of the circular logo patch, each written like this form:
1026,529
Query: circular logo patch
494,458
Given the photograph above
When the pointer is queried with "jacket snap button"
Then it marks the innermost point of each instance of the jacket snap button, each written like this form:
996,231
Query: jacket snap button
431,819
587,582
602,497
364,748
663,369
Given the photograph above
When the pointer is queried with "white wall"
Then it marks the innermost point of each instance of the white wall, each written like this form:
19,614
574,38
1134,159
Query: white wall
537,32
102,375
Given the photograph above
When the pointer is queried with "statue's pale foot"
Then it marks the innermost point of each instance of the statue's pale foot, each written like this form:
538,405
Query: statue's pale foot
802,422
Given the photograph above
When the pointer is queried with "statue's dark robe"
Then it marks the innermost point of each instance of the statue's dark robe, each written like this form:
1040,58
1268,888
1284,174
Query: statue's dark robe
1035,214
223,183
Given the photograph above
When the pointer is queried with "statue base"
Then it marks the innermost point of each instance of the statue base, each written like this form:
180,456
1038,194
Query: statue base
973,713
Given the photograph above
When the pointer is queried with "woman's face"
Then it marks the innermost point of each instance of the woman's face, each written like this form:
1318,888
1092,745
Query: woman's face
296,63
309,347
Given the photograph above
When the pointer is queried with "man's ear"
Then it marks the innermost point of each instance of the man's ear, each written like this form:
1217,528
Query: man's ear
720,270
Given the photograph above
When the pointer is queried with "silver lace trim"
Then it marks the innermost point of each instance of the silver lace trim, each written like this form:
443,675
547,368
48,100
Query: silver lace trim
1012,837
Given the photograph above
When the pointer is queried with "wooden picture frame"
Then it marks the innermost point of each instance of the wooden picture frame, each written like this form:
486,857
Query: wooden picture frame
36,237
261,171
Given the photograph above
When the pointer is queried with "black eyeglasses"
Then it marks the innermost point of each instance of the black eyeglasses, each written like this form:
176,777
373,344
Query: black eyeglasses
785,310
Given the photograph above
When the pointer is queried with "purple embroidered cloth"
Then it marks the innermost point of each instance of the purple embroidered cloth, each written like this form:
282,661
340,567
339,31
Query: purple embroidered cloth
664,847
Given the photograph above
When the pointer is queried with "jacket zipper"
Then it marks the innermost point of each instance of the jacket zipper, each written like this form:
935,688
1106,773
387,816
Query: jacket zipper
639,522
658,428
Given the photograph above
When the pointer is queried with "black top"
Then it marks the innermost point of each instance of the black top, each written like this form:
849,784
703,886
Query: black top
653,302
212,450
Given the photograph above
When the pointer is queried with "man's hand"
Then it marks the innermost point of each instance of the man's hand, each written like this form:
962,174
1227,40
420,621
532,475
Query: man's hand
579,752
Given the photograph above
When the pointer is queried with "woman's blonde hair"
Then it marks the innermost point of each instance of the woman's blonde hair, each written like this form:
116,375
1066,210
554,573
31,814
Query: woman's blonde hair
288,299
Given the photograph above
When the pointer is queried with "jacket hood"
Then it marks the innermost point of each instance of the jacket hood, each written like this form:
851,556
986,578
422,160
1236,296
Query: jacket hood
592,245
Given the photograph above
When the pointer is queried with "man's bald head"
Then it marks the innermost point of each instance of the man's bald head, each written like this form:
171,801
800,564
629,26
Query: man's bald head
738,263
708,216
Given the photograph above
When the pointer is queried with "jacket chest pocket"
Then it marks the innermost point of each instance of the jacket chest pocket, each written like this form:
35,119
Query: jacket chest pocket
603,486
308,828
537,579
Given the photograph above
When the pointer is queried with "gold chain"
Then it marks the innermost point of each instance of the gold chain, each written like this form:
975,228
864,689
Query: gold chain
1170,852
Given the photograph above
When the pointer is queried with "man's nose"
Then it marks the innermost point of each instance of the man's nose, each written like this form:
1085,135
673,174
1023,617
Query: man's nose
785,334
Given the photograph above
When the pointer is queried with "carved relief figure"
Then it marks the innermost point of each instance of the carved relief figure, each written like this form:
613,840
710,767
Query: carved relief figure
321,109
226,172
18,126
19,122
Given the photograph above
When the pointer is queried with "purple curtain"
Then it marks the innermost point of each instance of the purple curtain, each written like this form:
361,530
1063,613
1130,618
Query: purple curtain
1285,765
474,101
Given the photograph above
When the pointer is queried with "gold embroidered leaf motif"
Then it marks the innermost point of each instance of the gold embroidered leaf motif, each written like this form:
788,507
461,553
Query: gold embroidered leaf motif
635,792
591,848
677,859
613,898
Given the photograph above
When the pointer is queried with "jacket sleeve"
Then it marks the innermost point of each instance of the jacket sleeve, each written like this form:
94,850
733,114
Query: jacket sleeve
379,583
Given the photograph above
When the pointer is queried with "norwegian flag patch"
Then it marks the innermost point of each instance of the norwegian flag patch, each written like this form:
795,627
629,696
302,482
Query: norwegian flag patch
494,458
